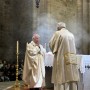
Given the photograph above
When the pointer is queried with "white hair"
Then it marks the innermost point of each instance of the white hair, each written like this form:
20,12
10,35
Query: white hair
61,24
35,35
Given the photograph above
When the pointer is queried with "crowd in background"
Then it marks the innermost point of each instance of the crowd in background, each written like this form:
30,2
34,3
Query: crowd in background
8,71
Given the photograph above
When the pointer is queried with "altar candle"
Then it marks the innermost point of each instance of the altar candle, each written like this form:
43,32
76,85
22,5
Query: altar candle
17,46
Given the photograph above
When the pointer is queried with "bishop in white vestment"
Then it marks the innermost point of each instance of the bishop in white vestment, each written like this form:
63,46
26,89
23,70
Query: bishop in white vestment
65,73
34,68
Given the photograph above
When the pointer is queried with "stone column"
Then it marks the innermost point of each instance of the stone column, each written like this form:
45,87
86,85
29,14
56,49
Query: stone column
16,22
6,30
85,27
23,27
79,25
89,25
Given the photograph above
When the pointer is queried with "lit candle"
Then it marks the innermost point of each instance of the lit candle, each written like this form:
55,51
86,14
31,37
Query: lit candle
17,46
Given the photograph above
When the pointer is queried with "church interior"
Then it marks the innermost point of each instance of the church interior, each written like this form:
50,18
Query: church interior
20,19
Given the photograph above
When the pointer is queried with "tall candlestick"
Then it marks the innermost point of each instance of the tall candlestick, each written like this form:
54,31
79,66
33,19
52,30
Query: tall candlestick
17,84
17,46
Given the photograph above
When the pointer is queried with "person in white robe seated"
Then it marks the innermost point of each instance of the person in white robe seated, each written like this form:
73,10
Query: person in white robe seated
65,74
34,68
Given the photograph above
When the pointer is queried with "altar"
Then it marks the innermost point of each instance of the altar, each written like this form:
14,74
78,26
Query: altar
49,64
81,61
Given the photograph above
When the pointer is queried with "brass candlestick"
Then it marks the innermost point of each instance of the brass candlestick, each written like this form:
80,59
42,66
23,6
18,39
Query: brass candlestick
17,84
17,81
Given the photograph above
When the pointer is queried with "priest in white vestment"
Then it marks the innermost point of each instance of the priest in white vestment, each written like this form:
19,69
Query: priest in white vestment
65,73
34,68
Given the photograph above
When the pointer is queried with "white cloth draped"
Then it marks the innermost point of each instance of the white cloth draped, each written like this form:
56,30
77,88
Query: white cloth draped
81,60
49,59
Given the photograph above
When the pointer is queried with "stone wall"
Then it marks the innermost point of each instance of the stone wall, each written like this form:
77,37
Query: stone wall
19,19
16,22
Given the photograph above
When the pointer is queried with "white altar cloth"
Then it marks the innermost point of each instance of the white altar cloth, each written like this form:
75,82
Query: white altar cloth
49,59
81,60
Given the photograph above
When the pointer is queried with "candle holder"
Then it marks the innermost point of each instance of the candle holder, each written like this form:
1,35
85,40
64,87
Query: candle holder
17,84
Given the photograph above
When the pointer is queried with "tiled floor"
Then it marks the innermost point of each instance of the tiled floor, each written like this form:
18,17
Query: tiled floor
24,88
11,86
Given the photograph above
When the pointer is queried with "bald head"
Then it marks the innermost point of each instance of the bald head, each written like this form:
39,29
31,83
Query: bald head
36,39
